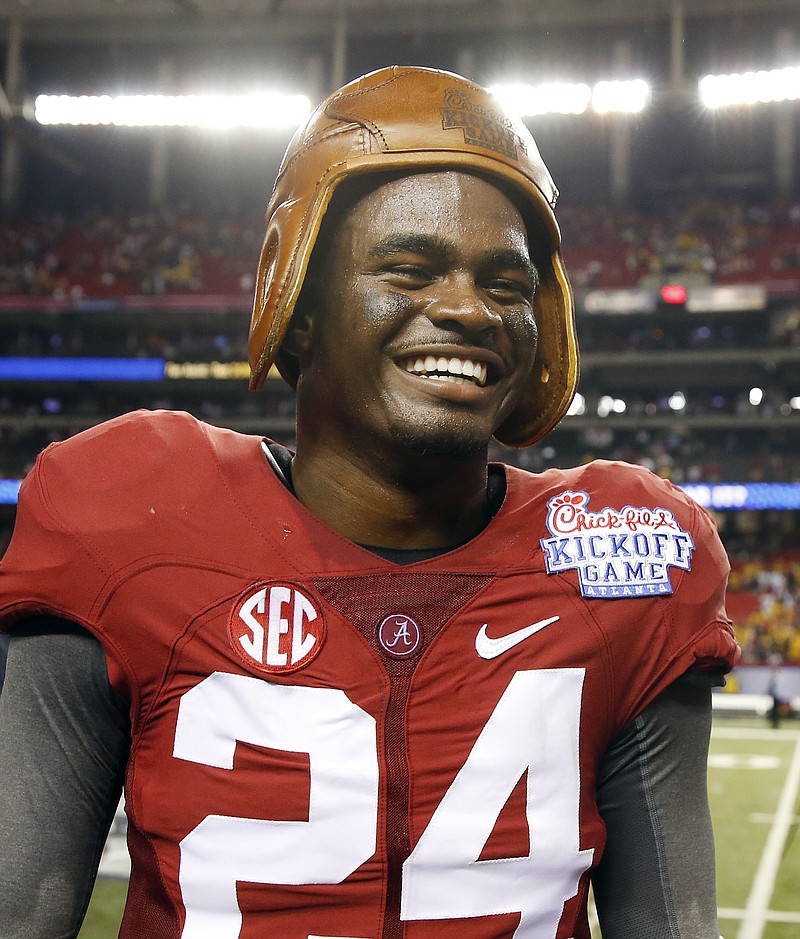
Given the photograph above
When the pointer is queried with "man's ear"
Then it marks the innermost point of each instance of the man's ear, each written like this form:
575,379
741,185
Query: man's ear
297,341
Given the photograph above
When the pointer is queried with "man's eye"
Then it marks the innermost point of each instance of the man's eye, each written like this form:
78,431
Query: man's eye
509,290
410,273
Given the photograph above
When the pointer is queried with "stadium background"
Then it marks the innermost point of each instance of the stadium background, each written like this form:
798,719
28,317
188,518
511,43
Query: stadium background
127,253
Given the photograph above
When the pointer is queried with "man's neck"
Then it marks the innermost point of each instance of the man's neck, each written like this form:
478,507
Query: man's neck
426,502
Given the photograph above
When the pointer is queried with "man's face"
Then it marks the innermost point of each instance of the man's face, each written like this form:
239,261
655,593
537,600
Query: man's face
424,335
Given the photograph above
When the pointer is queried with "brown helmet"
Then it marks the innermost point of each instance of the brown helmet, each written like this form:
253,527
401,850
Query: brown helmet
415,119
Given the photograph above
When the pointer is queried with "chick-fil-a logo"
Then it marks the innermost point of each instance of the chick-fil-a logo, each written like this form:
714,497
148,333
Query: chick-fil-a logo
617,553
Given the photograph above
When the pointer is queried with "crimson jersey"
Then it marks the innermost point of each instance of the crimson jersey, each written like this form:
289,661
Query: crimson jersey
329,746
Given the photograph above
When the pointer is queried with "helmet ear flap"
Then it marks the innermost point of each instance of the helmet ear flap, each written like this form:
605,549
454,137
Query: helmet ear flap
555,373
265,279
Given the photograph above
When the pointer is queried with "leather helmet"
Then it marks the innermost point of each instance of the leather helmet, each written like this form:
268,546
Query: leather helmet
416,119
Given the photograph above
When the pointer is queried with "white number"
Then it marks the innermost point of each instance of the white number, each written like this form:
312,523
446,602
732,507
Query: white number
340,834
534,729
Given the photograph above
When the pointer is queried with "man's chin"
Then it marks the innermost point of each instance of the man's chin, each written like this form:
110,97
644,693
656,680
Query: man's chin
441,442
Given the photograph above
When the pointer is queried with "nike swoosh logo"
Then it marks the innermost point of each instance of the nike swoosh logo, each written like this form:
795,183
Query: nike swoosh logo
490,648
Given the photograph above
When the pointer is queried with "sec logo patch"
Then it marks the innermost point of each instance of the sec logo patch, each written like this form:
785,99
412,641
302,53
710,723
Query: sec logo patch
276,628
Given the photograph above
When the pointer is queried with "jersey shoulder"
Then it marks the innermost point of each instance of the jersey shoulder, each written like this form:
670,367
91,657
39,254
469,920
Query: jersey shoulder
609,492
136,487
144,459
123,451
623,533
617,483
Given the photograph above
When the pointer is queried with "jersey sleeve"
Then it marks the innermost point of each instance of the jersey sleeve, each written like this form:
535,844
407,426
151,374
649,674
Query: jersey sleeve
687,629
118,529
698,629
51,567
93,508
48,568
698,612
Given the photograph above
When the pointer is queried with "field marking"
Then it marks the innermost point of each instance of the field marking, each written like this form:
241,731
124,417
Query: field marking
743,761
594,922
763,818
755,914
753,733
771,916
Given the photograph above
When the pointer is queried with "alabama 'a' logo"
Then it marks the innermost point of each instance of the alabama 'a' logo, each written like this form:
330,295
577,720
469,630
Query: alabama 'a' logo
276,628
399,635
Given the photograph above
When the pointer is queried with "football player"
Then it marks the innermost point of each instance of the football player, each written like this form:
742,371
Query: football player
375,688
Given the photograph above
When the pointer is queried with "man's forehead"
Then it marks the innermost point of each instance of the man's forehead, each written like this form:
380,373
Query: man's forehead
445,206
427,184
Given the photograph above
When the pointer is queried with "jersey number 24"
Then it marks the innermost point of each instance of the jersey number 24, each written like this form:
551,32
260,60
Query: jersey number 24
533,729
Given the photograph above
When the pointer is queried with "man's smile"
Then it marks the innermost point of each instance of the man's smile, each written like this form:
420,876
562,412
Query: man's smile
447,368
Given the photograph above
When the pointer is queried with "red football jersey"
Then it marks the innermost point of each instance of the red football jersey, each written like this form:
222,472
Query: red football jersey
327,745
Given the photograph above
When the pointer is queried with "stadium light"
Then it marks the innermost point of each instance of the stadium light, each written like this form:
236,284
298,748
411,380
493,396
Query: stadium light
605,405
677,401
533,100
623,97
779,84
266,110
608,405
572,98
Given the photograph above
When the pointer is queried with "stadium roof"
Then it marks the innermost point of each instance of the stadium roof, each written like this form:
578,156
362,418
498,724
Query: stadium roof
84,48
192,21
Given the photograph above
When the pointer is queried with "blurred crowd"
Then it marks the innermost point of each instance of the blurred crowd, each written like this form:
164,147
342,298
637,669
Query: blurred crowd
676,454
27,427
153,252
30,421
188,251
673,331
710,240
764,601
198,339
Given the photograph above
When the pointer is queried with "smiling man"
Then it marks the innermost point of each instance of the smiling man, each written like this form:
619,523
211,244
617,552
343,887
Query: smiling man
429,277
377,688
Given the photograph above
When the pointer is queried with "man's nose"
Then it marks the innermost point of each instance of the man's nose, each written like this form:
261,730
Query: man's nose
460,304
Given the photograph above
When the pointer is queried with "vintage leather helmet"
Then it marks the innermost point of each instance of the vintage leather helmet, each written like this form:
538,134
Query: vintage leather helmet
415,119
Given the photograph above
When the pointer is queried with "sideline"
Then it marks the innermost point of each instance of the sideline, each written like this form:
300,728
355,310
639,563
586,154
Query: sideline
757,910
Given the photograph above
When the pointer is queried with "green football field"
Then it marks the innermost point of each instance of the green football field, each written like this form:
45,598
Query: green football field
754,779
754,782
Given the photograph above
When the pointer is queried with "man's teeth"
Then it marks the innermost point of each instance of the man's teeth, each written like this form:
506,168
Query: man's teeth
448,369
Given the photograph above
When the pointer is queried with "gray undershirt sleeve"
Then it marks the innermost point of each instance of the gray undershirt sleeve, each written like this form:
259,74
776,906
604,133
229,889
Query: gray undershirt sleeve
657,879
64,741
